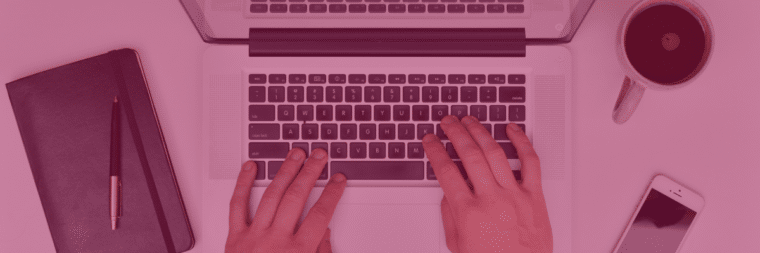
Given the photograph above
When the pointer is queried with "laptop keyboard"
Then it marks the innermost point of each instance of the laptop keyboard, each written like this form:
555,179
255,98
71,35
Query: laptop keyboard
387,6
372,125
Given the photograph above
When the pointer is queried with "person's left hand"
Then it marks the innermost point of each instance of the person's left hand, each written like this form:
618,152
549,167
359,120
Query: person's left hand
274,228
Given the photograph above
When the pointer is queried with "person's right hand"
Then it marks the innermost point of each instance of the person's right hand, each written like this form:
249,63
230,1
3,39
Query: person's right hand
495,213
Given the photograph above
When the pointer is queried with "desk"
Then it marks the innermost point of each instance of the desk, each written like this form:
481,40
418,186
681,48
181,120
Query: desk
704,135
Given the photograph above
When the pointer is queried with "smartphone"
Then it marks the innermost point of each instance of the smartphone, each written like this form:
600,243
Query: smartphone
662,220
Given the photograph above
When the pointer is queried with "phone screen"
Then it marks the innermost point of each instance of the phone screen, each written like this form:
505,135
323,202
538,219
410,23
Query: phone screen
659,226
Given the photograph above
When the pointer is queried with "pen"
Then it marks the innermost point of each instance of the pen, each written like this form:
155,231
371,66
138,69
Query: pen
115,164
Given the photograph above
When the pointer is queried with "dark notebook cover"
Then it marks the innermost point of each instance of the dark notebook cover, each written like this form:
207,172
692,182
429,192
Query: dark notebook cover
64,116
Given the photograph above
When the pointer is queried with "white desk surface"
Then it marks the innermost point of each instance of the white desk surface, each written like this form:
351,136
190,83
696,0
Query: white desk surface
705,135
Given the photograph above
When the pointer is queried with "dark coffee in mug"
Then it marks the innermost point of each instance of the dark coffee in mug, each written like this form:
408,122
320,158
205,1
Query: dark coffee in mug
666,44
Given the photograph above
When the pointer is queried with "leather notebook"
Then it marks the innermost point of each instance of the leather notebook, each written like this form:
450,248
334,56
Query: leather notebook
64,116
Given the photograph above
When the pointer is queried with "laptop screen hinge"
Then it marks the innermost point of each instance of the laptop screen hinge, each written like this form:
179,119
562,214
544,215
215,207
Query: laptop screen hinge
447,42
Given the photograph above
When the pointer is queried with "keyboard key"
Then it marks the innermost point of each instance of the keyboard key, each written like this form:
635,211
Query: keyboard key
500,132
297,78
396,8
451,151
467,1
305,113
476,8
510,1
317,78
423,129
488,128
363,113
343,112
469,94
334,94
377,150
372,94
278,8
264,131
439,132
495,8
382,112
479,112
516,113
257,78
387,131
476,78
416,78
367,132
260,170
379,170
439,111
415,150
488,94
354,1
259,8
496,78
324,113
338,8
511,94
400,113
338,150
310,131
411,1
449,94
268,149
416,8
391,94
396,150
257,94
295,94
391,1
436,78
515,8
322,145
329,131
431,173
298,8
459,111
456,78
303,146
353,93
348,131
358,150
273,168
261,112
429,1
314,94
436,8
277,78
456,8
259,1
406,131
357,8
430,94
336,78
498,113
486,1
509,150
516,79
377,8
411,94
286,112
376,78
397,79
290,131
420,113
357,78
276,94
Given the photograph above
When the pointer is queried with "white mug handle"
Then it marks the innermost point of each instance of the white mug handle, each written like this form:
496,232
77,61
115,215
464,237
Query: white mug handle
628,99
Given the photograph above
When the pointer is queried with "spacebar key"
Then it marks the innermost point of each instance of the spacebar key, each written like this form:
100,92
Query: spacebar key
268,149
379,170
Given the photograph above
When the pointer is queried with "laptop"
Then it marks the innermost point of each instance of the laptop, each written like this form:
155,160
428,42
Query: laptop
365,81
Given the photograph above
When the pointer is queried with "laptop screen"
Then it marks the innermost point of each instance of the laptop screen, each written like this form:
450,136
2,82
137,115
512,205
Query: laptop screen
229,21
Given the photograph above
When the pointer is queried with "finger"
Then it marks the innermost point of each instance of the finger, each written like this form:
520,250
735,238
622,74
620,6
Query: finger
324,245
531,166
293,201
472,157
321,213
449,226
445,170
240,198
272,195
493,152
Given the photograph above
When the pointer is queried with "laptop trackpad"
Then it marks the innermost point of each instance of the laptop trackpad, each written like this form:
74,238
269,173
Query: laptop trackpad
387,228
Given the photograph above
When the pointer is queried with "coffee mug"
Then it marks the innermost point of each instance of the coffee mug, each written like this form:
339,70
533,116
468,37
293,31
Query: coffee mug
661,45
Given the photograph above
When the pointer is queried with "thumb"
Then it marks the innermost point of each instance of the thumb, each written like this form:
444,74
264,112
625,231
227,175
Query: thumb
324,246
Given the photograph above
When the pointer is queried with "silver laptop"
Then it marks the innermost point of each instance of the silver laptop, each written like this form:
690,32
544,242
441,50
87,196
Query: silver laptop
365,80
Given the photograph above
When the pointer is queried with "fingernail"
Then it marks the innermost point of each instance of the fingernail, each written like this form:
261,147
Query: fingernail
467,120
515,128
295,155
339,177
319,154
449,119
248,165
